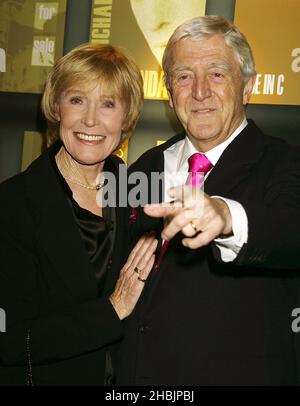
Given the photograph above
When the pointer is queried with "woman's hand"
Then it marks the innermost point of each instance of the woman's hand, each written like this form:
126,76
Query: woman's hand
133,275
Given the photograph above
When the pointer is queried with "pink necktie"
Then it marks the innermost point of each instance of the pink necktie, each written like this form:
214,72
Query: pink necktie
199,165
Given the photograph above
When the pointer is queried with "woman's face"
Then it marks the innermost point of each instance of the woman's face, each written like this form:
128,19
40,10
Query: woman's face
90,123
158,19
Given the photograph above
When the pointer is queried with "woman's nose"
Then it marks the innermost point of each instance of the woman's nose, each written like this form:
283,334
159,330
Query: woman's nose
91,117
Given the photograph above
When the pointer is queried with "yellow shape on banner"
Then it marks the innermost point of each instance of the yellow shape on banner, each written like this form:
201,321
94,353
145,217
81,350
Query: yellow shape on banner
159,142
32,148
143,28
122,152
43,51
31,39
273,31
101,21
44,12
2,60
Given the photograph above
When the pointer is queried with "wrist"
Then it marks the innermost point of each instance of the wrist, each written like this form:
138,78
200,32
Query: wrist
116,308
226,215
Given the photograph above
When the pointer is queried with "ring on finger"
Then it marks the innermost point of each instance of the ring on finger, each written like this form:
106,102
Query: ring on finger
137,270
141,279
193,225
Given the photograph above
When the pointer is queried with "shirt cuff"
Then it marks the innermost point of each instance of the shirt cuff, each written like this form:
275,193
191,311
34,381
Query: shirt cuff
231,246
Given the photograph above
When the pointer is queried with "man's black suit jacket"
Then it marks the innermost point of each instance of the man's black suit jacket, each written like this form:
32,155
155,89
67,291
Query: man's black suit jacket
204,322
48,285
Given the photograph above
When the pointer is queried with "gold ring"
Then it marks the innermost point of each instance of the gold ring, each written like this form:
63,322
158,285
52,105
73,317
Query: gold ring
137,270
141,279
193,226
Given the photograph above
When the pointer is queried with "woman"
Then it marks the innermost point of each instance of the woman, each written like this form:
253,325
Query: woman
60,251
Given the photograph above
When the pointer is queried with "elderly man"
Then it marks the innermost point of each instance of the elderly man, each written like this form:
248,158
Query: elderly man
216,309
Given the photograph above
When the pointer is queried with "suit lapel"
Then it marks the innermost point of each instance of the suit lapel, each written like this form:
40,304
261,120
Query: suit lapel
57,234
236,162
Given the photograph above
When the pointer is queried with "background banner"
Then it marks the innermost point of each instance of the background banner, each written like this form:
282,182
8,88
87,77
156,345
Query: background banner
143,27
273,31
31,40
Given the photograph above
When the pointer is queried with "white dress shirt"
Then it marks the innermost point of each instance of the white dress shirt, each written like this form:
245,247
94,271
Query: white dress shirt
176,172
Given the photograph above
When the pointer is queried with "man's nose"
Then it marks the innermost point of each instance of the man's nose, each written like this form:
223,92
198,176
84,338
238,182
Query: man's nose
91,115
201,88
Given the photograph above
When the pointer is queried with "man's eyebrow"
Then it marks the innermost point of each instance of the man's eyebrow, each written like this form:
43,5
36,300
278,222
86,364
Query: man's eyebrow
180,69
220,65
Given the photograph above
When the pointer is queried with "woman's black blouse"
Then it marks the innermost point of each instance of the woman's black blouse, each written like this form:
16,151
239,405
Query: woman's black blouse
97,233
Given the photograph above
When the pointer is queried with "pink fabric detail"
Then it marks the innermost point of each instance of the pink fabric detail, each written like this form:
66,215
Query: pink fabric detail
199,165
161,255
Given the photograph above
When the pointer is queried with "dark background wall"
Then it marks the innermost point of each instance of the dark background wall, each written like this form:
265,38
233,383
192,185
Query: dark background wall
20,112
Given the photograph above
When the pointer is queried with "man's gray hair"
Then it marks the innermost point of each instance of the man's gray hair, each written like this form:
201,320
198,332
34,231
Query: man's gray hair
204,27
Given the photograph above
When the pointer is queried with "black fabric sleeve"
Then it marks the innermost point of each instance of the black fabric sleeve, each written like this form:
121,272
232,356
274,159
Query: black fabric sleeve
65,333
273,217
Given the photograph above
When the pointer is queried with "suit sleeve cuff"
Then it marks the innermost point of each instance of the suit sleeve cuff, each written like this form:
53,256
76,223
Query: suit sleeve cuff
231,246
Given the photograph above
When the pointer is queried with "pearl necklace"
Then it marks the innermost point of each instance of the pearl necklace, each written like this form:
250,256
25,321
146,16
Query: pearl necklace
99,186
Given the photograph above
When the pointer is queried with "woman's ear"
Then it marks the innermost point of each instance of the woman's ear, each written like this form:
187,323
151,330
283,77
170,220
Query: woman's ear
57,111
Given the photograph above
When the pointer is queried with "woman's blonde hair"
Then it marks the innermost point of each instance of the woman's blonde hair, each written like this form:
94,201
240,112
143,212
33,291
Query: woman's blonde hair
88,65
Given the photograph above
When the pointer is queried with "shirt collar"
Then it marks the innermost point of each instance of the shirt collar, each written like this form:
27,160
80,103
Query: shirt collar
213,154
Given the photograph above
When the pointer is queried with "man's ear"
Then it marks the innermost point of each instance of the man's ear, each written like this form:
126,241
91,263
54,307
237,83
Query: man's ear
170,99
248,89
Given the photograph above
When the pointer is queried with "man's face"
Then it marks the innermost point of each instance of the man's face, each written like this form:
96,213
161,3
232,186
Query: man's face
158,19
207,93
